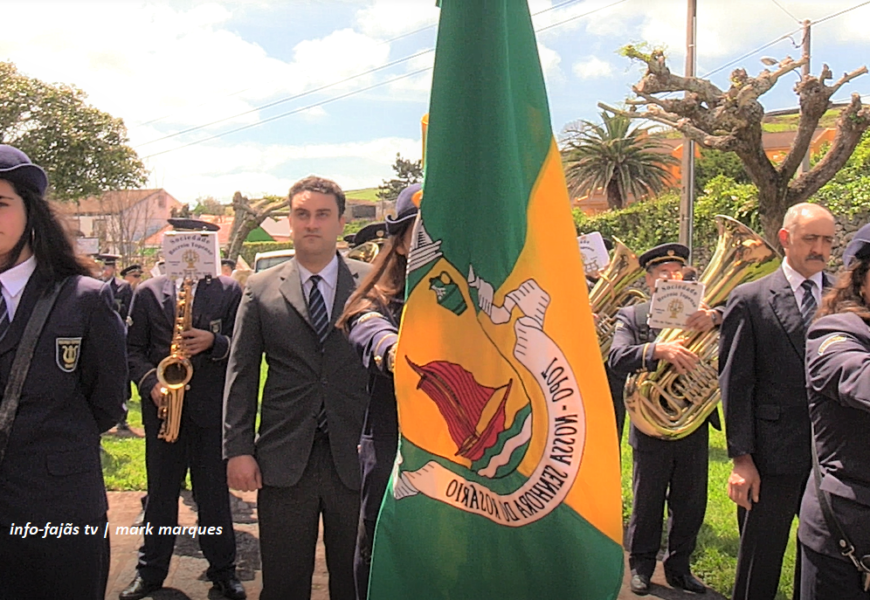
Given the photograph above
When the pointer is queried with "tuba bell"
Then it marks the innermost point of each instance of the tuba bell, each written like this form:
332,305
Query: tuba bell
175,371
366,252
667,405
612,291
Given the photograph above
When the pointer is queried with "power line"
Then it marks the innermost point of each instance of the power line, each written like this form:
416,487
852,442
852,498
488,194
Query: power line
315,90
574,18
334,98
783,9
750,53
842,12
294,111
288,99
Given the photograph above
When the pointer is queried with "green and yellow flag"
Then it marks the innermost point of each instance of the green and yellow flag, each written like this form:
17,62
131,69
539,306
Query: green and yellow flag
507,481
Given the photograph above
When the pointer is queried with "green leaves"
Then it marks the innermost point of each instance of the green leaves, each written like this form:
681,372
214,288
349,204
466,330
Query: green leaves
83,149
407,172
625,160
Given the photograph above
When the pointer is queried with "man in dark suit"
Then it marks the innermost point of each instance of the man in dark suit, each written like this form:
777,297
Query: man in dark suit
664,470
120,288
763,382
303,460
198,447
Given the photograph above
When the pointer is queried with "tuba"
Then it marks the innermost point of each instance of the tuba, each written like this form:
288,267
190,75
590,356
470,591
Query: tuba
174,371
667,405
611,292
366,252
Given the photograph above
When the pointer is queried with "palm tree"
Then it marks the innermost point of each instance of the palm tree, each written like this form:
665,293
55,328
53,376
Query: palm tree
617,157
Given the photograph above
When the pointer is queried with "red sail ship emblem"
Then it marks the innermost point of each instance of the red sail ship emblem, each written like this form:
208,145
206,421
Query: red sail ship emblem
462,402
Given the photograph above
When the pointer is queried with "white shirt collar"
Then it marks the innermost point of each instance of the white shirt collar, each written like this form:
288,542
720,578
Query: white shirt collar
328,274
16,278
795,280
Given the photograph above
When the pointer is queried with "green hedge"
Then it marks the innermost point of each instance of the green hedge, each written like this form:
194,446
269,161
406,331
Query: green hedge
250,249
646,224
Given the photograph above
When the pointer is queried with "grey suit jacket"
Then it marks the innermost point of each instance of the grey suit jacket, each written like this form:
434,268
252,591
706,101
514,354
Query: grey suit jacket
273,320
761,373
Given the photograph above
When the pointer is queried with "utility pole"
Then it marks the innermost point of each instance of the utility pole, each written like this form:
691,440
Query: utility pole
805,72
687,198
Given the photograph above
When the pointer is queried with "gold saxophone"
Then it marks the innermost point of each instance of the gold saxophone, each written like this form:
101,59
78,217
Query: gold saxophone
611,292
667,405
174,371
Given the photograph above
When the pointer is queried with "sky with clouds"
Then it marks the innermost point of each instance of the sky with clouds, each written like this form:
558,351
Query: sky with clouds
252,95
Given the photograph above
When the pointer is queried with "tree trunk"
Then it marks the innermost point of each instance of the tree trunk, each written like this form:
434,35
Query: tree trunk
615,200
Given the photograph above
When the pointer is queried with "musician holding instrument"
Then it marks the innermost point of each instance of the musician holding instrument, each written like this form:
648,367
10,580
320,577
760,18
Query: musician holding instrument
835,511
672,470
764,397
169,337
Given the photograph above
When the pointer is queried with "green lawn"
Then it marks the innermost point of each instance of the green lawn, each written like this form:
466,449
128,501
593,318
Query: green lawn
363,194
713,562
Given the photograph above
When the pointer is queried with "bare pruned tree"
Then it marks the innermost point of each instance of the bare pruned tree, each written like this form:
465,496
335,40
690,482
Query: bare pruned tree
250,214
731,120
127,221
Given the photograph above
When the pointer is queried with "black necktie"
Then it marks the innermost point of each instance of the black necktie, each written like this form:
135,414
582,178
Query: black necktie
808,303
320,322
4,319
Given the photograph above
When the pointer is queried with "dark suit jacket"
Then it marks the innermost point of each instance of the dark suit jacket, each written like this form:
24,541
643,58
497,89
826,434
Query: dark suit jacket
123,296
51,471
150,335
761,375
632,352
838,379
273,319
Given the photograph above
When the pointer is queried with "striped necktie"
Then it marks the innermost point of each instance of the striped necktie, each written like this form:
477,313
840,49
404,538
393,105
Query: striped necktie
320,322
4,317
808,302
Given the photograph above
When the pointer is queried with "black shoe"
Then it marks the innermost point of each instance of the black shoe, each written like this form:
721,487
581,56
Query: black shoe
138,588
640,584
687,582
231,588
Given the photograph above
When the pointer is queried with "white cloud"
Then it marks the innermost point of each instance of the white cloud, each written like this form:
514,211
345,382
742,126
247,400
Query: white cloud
220,169
550,60
391,18
592,67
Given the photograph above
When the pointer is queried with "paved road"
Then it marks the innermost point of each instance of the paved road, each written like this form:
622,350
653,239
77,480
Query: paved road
187,580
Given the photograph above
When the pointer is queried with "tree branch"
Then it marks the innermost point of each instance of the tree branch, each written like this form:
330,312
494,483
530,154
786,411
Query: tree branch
683,125
815,99
851,125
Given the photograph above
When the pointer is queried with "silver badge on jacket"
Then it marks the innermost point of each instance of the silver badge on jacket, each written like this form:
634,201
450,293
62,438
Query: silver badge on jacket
67,353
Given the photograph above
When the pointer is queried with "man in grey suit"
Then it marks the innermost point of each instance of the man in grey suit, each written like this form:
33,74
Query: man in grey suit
761,372
304,459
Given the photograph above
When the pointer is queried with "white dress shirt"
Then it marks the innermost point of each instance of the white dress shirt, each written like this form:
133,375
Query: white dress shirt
328,282
795,280
13,282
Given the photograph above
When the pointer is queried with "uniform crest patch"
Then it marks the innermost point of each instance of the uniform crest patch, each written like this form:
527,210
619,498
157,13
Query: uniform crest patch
830,342
67,353
215,326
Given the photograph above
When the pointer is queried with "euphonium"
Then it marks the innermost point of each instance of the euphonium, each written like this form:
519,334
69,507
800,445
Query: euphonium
667,405
611,292
366,252
174,371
